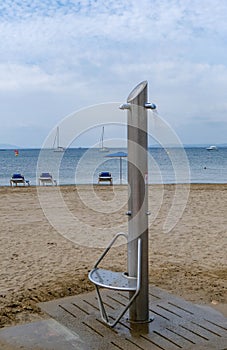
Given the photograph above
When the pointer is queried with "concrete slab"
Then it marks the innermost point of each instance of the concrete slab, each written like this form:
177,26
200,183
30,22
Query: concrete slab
43,335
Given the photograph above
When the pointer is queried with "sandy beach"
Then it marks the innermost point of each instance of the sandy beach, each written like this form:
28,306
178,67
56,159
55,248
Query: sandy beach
47,247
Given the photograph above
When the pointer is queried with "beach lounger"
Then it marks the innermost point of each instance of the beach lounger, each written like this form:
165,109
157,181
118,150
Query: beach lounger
47,178
18,179
105,176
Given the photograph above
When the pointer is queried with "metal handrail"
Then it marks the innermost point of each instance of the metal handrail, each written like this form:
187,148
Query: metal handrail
109,246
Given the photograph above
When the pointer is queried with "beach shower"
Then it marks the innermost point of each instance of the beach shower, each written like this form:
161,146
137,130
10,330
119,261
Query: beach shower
138,197
135,280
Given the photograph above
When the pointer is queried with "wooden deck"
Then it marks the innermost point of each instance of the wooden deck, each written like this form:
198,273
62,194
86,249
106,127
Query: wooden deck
177,324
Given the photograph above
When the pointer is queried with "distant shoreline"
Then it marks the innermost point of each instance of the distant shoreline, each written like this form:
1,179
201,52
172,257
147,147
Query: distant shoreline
9,148
198,185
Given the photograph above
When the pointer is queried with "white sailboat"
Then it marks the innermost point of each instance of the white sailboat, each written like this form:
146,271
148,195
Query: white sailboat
56,145
212,148
102,148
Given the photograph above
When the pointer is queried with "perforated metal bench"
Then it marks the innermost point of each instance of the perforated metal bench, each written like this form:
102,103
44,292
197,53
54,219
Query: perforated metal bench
118,281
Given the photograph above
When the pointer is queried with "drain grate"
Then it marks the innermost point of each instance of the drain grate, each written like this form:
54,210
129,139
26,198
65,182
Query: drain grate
177,324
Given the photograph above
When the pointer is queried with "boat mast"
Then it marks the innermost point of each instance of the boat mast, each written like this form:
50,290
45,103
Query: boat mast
57,137
102,137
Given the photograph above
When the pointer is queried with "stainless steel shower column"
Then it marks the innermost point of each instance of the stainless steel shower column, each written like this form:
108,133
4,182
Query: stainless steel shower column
137,106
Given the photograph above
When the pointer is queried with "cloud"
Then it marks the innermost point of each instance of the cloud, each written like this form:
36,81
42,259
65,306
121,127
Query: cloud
72,54
27,78
65,35
41,28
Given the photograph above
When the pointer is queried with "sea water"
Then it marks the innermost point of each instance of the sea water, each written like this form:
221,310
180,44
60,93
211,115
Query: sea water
82,166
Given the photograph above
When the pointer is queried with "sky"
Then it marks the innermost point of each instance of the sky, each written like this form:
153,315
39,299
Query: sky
60,56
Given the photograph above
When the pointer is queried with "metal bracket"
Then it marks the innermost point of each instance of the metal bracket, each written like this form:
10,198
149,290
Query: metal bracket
116,281
149,105
125,106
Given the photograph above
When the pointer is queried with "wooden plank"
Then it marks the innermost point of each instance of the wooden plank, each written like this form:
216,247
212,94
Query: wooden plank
201,332
216,329
143,344
221,345
165,314
221,323
185,334
212,328
175,338
160,341
183,313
